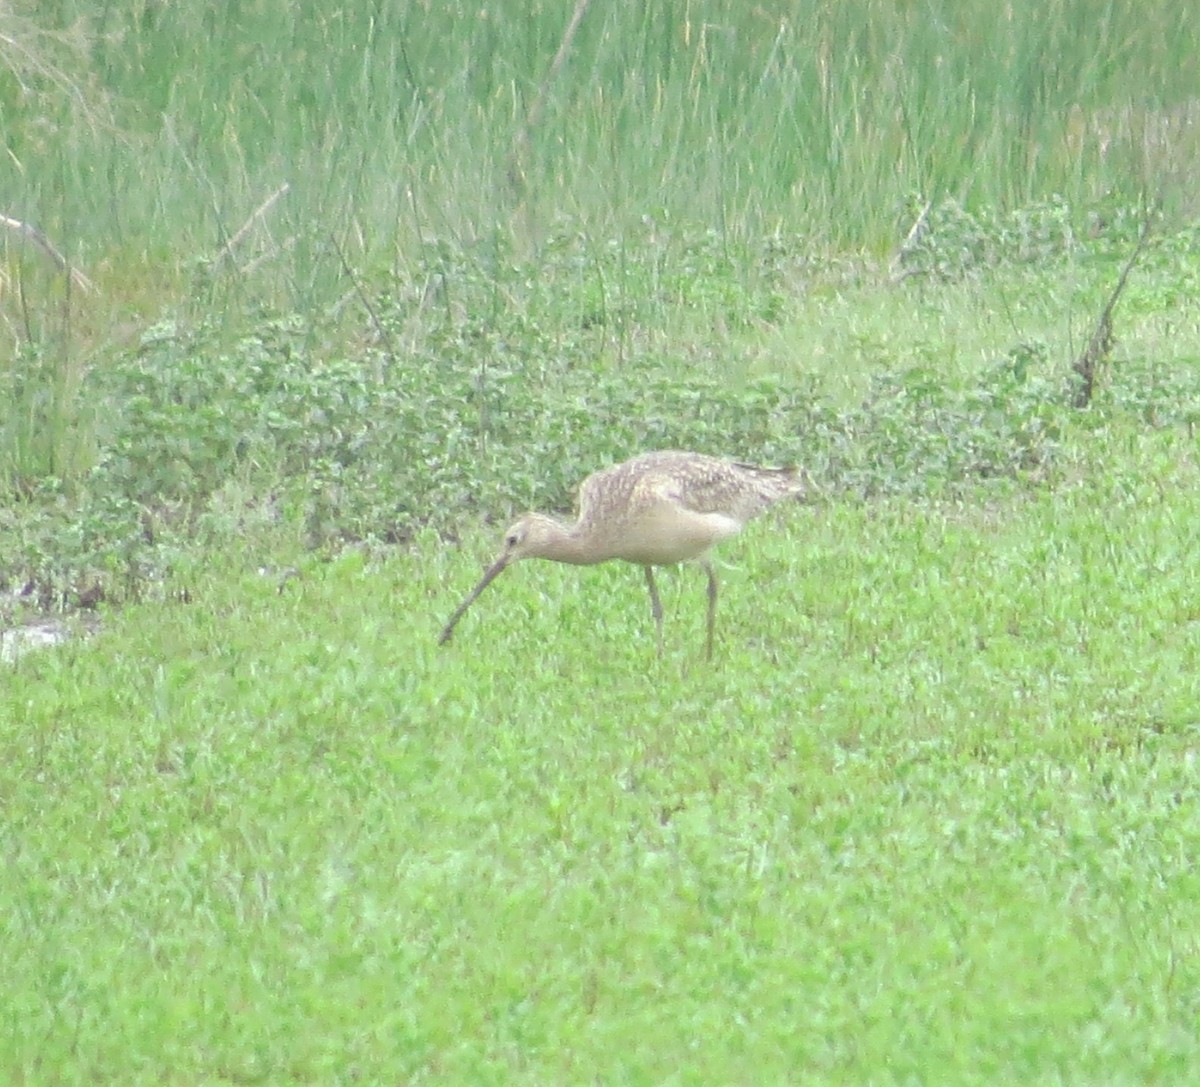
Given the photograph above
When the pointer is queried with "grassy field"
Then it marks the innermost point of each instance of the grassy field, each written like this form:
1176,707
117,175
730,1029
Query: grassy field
351,288
930,816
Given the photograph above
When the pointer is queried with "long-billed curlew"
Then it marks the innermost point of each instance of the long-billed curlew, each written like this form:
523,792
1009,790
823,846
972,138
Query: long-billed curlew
655,510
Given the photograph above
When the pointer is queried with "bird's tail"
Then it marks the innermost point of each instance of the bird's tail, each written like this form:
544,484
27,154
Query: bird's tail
789,481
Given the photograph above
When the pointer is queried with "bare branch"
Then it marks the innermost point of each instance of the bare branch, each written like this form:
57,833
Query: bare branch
31,233
380,328
914,235
227,249
1101,342
521,143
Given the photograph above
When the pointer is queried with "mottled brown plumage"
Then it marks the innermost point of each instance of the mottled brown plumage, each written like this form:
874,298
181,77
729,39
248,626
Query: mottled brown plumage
654,510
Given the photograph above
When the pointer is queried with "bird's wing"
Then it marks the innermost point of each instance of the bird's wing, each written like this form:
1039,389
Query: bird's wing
656,487
589,493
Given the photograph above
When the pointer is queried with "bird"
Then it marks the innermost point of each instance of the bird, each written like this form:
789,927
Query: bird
657,509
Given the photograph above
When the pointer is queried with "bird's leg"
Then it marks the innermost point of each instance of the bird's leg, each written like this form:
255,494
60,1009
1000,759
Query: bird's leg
655,608
712,606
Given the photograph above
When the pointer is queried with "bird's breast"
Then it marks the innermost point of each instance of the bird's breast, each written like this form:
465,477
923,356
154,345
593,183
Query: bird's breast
671,535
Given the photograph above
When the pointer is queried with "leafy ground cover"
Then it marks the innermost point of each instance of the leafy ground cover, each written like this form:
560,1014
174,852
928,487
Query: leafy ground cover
343,290
449,410
931,815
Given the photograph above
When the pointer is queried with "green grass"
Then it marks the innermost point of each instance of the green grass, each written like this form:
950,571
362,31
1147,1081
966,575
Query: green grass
282,158
141,139
521,377
927,817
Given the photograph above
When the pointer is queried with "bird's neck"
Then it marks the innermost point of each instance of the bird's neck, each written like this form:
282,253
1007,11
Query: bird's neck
565,543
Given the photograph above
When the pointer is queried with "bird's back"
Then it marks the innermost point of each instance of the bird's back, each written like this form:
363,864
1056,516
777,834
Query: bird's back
692,481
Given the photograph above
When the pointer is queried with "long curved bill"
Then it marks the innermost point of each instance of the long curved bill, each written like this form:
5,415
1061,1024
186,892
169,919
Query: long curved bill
489,576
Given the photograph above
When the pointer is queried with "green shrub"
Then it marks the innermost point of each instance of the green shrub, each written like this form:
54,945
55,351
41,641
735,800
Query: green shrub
480,387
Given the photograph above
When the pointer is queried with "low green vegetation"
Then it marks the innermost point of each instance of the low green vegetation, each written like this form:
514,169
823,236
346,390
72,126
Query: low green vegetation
516,379
928,816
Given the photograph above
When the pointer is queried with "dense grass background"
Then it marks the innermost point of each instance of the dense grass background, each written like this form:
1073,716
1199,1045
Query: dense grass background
146,134
355,283
286,154
295,159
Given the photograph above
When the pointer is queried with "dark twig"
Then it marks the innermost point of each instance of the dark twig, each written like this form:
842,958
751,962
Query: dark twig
380,328
1101,342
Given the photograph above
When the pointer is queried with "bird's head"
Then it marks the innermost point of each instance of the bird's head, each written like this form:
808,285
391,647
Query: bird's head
529,537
